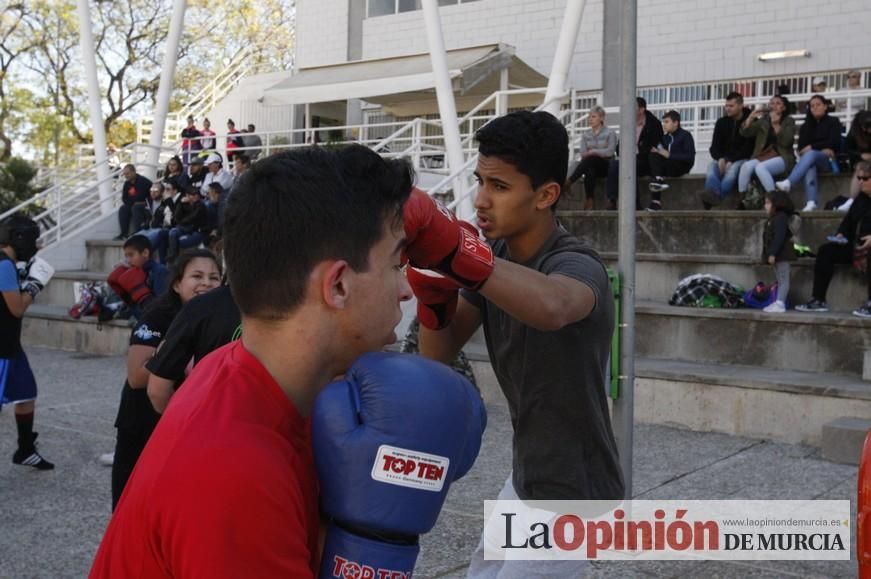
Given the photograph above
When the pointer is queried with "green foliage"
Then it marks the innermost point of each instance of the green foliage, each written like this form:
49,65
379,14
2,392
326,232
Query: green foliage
43,96
16,183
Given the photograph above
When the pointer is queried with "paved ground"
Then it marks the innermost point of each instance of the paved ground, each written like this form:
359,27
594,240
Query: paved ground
52,521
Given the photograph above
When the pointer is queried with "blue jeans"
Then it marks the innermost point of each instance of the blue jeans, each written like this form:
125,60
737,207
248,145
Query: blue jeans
807,167
180,239
763,169
722,186
158,238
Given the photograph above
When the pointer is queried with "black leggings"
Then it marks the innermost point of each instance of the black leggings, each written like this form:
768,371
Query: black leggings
828,256
128,447
590,168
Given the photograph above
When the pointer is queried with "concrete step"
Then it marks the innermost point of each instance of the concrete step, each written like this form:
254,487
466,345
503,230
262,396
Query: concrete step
782,405
829,343
843,439
104,254
698,232
657,275
60,290
50,326
683,193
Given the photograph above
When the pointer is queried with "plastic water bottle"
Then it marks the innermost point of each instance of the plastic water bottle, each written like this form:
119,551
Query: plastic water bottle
836,169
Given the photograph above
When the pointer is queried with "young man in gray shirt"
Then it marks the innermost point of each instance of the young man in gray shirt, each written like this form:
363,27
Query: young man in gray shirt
545,302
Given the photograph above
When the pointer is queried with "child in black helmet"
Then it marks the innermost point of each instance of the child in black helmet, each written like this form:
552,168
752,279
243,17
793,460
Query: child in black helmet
18,235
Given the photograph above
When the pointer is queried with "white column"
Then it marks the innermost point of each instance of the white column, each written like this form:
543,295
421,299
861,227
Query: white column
502,99
447,106
164,91
89,59
562,60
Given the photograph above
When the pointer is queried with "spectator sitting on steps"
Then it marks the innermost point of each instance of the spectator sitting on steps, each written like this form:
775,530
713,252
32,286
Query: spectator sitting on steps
216,174
596,150
729,150
847,246
818,139
134,191
674,156
648,134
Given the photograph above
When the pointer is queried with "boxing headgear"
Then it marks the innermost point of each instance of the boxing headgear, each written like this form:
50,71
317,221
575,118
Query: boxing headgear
21,234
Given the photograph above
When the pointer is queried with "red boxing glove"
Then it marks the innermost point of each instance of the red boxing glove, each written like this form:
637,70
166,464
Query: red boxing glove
114,282
436,297
130,284
436,240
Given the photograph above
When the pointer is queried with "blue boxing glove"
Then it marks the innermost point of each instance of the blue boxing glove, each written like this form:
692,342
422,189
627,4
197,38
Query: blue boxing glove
388,441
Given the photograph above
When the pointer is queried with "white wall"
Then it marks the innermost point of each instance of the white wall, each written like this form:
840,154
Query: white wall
321,32
679,41
697,40
531,26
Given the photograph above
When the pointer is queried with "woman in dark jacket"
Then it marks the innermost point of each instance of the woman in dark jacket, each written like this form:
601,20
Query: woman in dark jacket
818,139
853,239
774,134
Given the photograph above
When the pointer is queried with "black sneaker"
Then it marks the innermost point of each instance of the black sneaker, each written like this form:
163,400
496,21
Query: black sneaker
864,311
655,206
31,458
814,305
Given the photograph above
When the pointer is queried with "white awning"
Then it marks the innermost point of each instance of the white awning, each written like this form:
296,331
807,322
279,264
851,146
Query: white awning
406,79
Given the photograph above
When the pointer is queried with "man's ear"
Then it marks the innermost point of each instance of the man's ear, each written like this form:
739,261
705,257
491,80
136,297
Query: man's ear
333,277
548,194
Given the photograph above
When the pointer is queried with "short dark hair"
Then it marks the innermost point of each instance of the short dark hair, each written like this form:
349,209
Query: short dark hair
781,201
192,190
673,115
244,159
298,208
535,143
735,96
138,242
251,127
216,187
641,103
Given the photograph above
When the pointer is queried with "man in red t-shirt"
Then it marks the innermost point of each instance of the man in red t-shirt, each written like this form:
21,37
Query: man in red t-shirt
226,486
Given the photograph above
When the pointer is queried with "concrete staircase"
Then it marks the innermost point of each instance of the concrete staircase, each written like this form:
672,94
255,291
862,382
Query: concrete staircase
779,376
683,193
775,376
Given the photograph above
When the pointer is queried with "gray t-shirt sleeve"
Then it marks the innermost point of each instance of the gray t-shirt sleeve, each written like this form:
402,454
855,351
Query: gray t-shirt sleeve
581,267
577,266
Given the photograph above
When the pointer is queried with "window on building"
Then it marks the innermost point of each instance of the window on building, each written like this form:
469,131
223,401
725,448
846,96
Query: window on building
385,7
381,7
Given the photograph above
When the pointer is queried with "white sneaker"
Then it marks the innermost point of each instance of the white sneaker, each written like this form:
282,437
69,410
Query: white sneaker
784,185
107,459
846,205
810,206
777,307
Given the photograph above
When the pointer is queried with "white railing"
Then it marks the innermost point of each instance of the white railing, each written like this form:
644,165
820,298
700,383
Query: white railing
204,101
74,203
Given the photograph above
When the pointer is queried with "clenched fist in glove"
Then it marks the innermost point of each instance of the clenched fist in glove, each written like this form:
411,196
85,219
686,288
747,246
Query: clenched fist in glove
436,296
437,241
388,441
130,283
36,276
